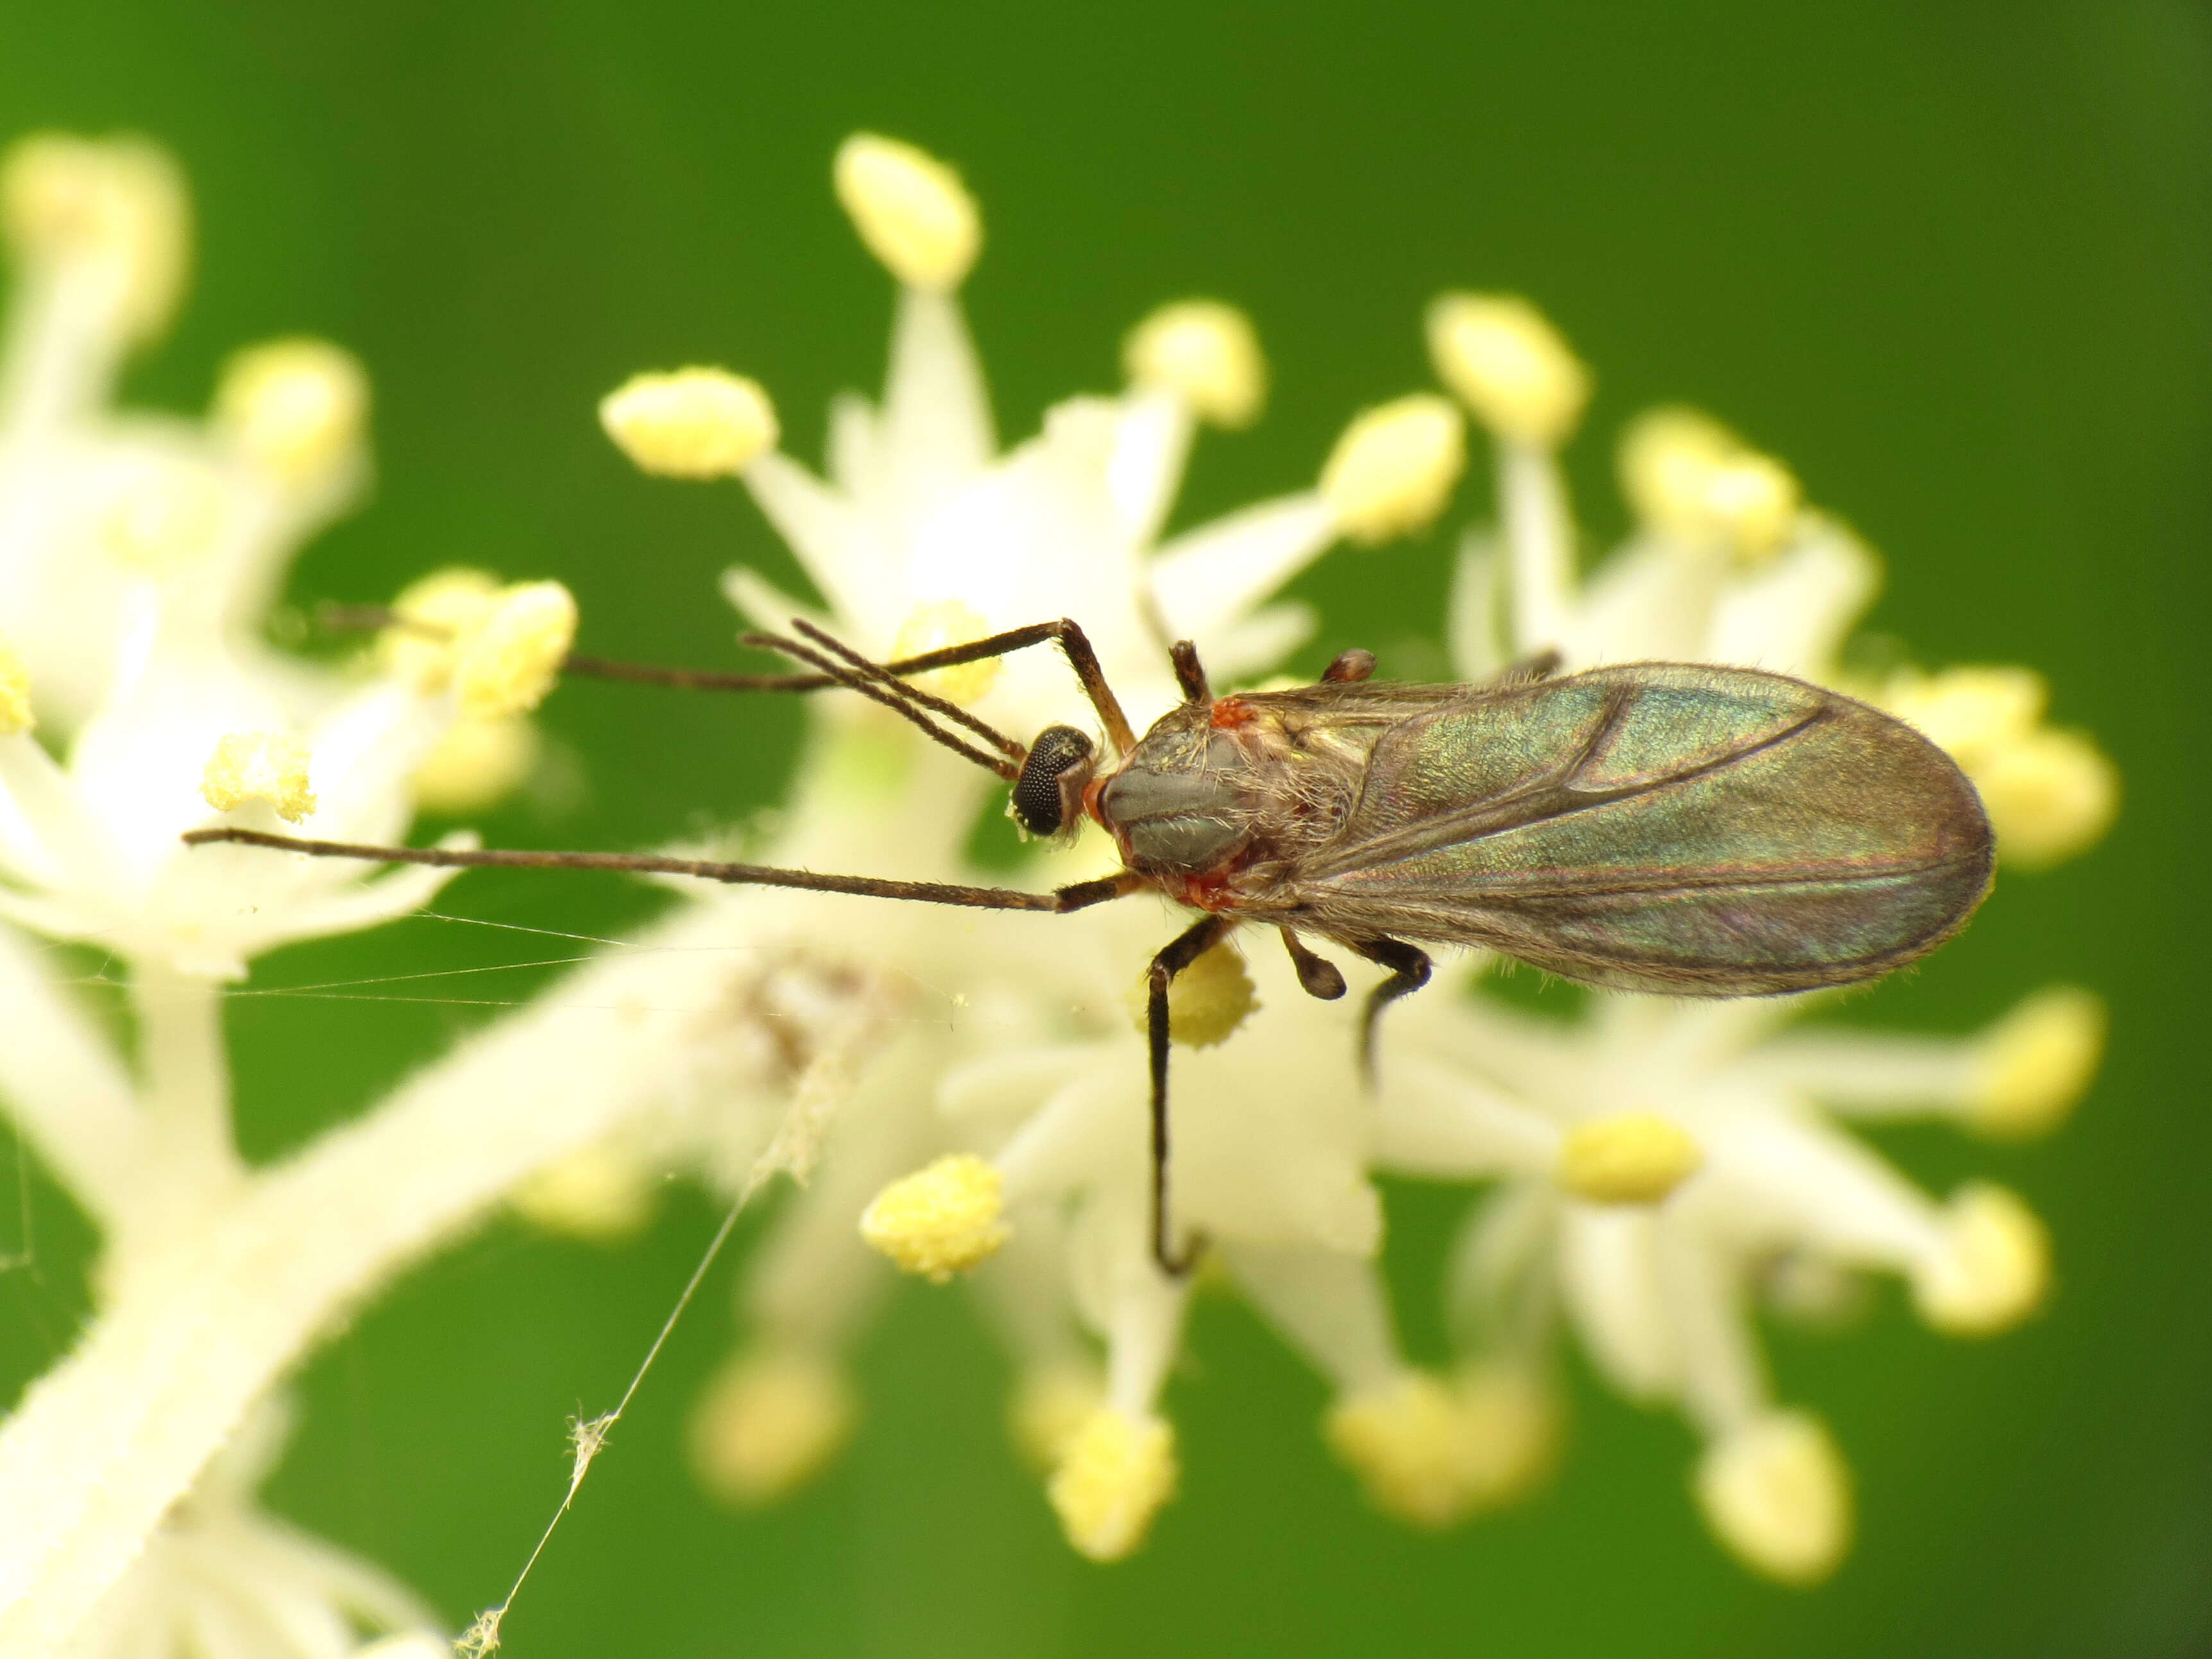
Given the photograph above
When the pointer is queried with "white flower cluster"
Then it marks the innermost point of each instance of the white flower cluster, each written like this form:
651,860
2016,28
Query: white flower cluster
1656,1164
969,1084
139,555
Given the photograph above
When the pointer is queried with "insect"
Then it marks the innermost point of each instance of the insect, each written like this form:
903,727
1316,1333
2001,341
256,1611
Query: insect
1659,827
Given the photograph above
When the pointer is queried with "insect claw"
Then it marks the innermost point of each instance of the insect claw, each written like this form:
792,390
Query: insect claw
1180,1264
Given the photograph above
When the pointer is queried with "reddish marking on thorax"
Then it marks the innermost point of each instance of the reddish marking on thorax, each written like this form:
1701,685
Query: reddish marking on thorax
1209,891
1090,793
1230,712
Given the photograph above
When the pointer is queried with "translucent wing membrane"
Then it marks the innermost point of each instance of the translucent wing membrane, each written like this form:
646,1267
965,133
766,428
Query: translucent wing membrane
1655,827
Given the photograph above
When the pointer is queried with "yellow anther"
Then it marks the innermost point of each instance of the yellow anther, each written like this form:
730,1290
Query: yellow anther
2050,795
1117,1473
933,627
434,614
1206,1001
164,519
296,409
510,658
768,1424
1629,1157
1507,363
1394,469
1408,1441
1510,1421
1049,1409
603,1194
1992,1269
1970,713
1206,354
1752,500
1667,458
941,1220
476,764
2037,1063
1776,1494
15,714
118,201
1690,477
690,422
270,766
910,209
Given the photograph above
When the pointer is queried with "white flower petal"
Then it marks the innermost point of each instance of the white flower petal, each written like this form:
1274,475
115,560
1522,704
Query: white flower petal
1474,623
1791,616
1539,539
1331,1307
1722,1380
1210,577
370,905
1789,1181
1151,444
854,454
764,604
1435,1121
1609,1271
833,540
935,421
63,1083
1867,1075
1240,650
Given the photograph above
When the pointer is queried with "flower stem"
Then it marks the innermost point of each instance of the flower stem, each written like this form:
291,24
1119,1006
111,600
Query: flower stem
191,1162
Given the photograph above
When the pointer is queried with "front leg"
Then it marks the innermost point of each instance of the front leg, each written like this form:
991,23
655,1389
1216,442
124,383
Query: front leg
1409,971
1187,948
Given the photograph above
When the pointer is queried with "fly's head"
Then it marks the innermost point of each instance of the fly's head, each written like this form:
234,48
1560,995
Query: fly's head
1048,795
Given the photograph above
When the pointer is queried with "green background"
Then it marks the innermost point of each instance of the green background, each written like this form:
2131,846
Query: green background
1949,259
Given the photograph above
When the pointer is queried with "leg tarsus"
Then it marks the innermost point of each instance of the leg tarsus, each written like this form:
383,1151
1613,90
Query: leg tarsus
1409,968
1186,947
1317,976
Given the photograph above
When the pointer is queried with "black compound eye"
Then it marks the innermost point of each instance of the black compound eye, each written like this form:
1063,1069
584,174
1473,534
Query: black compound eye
1037,799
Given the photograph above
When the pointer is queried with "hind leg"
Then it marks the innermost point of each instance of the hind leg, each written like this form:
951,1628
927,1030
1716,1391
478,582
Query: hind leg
1409,971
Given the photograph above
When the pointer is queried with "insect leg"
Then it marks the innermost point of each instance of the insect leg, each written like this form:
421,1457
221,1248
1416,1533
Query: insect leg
1538,665
1186,949
1189,672
1077,895
1409,971
1317,975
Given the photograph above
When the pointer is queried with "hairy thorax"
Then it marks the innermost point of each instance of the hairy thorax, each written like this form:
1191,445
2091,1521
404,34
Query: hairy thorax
1217,799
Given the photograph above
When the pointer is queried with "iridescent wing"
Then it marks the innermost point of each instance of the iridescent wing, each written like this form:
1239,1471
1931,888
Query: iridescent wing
1656,826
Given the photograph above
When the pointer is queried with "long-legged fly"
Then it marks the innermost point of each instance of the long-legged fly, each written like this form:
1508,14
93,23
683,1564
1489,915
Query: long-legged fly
1659,827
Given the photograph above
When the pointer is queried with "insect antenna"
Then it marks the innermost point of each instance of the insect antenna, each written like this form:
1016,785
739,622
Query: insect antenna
1064,633
369,618
897,695
941,705
871,679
